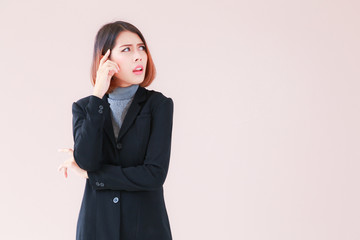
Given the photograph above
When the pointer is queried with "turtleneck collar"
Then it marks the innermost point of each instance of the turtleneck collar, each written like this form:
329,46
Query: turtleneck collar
121,93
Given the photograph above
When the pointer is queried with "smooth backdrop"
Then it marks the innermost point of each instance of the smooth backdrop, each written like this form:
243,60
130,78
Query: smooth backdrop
266,132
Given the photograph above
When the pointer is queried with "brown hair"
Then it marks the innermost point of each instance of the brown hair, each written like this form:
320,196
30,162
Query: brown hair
106,38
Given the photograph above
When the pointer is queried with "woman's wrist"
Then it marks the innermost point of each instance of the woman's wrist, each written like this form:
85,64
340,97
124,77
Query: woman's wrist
97,94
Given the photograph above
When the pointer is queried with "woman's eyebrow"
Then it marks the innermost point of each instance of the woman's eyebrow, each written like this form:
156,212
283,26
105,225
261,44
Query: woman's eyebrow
131,44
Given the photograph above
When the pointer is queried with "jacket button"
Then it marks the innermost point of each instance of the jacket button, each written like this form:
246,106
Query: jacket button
99,184
101,106
116,199
119,146
100,111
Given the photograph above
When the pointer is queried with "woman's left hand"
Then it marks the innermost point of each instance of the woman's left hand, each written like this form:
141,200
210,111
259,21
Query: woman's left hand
70,163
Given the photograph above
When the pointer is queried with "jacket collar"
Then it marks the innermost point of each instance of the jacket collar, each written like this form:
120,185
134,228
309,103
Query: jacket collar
135,106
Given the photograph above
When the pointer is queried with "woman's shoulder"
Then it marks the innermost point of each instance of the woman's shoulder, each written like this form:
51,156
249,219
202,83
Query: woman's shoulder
157,95
155,98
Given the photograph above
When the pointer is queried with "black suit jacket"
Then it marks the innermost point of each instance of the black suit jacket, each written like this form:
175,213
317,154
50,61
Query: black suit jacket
123,196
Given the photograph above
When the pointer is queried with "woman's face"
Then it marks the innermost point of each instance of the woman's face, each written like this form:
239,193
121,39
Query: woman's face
128,52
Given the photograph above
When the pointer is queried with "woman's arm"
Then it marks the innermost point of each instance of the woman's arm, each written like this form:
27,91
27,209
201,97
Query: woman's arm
88,131
151,175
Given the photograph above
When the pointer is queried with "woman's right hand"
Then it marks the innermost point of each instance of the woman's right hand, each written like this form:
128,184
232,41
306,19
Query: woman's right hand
106,70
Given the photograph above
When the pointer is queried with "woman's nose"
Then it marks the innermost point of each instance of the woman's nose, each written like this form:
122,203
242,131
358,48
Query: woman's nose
137,56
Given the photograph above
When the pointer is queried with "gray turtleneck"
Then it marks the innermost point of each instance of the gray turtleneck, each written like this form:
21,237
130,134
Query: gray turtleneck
120,100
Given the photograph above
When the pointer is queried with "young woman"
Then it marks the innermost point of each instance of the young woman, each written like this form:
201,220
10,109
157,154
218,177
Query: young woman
122,141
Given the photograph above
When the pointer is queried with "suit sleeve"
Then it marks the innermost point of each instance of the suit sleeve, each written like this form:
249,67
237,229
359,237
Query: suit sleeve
88,125
151,175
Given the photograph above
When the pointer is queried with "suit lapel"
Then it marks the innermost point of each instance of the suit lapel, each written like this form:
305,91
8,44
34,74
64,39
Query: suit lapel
108,126
135,107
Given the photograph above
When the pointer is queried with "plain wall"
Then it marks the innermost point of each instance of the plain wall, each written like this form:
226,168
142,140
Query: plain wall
266,114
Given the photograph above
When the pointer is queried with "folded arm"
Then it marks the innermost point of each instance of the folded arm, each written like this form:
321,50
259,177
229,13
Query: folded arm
152,174
88,133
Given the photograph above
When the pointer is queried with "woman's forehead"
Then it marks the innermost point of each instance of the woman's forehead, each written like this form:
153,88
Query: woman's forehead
126,37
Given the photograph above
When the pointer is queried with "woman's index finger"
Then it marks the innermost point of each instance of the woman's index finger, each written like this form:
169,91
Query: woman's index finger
104,58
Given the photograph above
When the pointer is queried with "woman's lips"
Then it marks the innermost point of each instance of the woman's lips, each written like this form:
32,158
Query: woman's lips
137,72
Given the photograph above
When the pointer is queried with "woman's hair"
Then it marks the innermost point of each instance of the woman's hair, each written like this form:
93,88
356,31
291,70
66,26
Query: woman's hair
106,39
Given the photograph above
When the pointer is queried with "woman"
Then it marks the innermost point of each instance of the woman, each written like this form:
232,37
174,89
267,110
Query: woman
122,141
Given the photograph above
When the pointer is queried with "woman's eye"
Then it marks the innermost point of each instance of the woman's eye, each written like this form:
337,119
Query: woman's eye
129,48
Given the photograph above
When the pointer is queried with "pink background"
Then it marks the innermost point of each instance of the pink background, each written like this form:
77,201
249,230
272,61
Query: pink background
266,114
